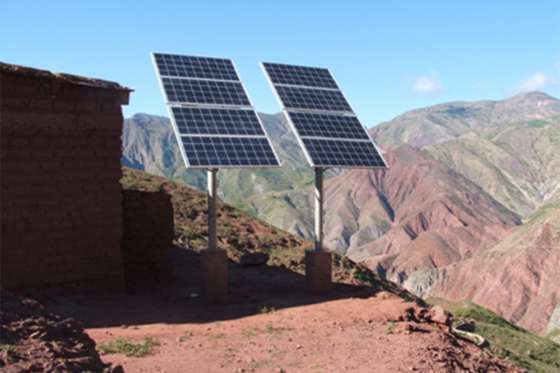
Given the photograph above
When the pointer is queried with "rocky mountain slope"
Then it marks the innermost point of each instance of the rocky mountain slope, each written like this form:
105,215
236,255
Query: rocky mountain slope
434,217
271,322
508,147
519,277
462,175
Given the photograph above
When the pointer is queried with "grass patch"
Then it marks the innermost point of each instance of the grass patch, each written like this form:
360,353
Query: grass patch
521,347
7,347
250,332
390,328
537,123
129,348
217,336
186,336
481,314
271,329
266,309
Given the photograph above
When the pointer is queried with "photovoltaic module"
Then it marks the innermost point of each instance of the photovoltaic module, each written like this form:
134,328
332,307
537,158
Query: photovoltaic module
324,123
213,119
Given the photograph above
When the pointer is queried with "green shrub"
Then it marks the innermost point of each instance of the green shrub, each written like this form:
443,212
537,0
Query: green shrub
129,348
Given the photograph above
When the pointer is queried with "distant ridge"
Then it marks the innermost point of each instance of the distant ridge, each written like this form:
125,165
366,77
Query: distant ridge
464,174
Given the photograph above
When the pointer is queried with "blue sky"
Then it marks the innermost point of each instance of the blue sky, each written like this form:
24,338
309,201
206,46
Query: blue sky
388,56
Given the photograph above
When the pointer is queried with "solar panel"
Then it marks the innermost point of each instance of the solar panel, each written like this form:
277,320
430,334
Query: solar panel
213,118
328,125
226,152
195,67
300,75
328,130
205,92
191,120
311,98
340,153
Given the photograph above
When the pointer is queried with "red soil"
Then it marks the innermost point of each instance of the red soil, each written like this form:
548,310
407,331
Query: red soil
341,335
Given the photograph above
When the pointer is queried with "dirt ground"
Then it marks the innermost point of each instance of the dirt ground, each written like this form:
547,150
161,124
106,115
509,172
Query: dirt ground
272,325
351,335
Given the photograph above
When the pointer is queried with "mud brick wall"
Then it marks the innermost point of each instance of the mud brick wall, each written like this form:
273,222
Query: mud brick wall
61,201
148,237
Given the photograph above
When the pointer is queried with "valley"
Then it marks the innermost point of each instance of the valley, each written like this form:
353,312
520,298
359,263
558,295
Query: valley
468,181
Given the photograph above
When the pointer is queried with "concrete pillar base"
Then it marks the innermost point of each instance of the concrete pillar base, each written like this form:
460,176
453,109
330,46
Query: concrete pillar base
214,270
318,271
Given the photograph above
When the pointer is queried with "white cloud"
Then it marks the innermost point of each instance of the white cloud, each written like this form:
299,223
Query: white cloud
535,82
427,84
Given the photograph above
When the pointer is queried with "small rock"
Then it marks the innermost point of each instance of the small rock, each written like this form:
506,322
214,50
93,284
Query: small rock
409,314
440,316
254,259
299,347
117,369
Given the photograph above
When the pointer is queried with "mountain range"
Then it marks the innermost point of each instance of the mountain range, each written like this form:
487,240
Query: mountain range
468,208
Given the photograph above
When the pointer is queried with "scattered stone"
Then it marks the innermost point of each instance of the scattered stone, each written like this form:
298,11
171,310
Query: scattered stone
409,314
41,341
409,328
254,259
299,347
440,316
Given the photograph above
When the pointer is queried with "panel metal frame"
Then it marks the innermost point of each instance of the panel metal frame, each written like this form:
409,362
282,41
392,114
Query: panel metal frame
178,135
286,110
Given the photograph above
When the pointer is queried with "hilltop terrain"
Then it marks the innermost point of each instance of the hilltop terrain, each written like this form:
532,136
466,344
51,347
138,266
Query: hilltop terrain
270,323
463,176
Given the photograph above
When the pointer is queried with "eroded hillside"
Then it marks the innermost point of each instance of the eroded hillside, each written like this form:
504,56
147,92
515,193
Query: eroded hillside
462,176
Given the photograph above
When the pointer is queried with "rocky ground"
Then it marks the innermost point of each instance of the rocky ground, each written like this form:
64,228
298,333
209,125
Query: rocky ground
380,333
33,339
271,324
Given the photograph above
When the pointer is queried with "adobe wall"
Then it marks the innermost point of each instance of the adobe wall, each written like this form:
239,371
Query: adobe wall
60,197
148,237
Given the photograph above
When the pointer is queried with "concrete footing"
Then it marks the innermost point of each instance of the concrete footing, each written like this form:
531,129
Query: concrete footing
318,271
214,269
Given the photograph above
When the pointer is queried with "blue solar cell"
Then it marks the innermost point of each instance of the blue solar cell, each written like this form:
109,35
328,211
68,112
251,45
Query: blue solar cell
330,133
339,153
216,121
232,151
218,128
205,92
195,67
309,98
328,125
299,75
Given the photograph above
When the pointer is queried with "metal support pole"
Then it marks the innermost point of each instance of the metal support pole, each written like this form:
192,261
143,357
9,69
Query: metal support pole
212,191
319,209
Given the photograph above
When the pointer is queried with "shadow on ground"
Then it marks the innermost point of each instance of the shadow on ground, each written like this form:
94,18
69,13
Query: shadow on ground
176,299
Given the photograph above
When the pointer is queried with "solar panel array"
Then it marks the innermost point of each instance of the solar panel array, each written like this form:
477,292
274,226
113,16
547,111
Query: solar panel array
212,115
328,130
